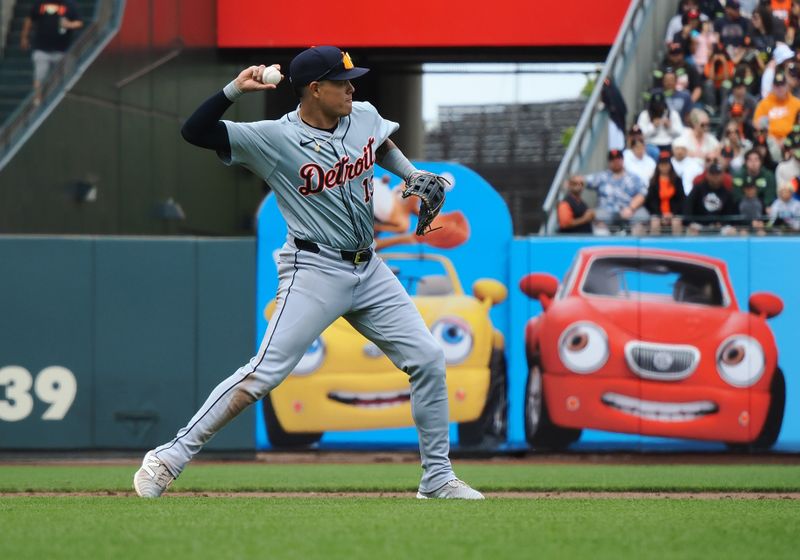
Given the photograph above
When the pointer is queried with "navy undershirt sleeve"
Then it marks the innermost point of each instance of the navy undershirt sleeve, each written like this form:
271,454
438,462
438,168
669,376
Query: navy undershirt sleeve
204,127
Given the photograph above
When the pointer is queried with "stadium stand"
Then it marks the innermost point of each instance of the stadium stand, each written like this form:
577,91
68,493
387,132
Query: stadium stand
16,69
747,63
516,147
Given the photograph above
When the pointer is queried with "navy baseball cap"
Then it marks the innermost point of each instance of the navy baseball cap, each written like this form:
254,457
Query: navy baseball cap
322,63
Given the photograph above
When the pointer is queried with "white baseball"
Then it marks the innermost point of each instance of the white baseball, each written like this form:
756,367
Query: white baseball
271,75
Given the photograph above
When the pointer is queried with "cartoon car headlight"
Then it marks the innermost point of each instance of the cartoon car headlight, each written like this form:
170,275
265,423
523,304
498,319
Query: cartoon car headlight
455,337
312,359
583,347
740,360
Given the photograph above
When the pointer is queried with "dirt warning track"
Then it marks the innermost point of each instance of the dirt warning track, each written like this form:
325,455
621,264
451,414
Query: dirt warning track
411,495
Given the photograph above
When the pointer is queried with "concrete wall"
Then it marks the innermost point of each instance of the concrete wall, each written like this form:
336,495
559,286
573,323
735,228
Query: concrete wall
123,138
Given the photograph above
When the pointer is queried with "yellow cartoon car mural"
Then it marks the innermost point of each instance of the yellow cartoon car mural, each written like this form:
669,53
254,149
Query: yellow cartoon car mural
344,382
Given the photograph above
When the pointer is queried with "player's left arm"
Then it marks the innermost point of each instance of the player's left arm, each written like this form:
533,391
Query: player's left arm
389,156
429,187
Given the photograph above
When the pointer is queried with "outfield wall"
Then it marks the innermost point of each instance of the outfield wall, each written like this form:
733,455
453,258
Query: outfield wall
694,405
113,343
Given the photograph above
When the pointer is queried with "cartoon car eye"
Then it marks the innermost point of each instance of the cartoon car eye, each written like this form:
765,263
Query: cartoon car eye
312,359
740,360
455,337
583,347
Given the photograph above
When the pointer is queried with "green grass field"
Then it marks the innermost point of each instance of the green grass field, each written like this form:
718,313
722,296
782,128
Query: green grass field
404,477
181,527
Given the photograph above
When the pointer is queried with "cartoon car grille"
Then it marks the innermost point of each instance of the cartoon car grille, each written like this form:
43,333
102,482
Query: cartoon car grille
665,362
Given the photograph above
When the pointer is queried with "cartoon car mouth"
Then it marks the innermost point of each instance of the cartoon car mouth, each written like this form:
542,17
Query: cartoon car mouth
660,411
386,399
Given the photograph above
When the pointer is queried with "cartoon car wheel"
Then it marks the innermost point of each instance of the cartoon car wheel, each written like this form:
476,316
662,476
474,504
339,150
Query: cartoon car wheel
540,431
491,427
772,425
278,437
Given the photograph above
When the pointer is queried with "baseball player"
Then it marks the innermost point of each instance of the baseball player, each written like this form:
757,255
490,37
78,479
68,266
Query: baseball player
319,161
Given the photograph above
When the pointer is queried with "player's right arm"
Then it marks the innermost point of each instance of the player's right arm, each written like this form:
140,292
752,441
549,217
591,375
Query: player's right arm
204,127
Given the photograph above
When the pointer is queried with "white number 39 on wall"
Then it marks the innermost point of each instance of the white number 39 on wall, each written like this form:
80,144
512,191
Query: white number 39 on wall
55,385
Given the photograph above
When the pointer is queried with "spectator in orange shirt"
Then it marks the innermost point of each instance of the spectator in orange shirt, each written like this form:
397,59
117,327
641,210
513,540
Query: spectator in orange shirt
665,197
777,112
574,216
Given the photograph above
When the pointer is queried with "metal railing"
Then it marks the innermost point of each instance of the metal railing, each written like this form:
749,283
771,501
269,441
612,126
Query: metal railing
629,63
703,225
23,122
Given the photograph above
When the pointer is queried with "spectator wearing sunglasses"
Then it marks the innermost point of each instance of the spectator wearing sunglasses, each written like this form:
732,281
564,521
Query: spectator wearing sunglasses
700,143
737,144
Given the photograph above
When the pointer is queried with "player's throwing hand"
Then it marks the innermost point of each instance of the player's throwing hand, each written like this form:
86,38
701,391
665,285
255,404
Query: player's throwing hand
249,79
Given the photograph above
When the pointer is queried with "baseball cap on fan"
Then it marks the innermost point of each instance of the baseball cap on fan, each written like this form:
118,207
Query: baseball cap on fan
322,63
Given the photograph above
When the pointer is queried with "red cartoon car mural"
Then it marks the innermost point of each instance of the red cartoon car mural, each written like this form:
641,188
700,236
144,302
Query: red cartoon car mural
650,342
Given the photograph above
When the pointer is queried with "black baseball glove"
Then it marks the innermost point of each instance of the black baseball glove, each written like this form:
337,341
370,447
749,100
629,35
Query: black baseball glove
430,188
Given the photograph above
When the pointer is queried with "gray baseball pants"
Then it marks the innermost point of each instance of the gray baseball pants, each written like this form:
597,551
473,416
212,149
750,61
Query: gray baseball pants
314,290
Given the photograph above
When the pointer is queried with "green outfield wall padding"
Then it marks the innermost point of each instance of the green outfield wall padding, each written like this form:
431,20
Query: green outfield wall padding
114,343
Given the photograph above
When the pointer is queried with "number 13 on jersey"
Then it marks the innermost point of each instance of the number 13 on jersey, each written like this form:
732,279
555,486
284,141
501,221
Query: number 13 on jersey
368,189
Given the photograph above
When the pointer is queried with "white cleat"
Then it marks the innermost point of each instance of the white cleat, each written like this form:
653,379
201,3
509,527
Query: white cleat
454,489
152,478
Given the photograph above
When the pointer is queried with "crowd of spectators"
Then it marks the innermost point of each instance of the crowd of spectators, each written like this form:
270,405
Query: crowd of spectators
716,148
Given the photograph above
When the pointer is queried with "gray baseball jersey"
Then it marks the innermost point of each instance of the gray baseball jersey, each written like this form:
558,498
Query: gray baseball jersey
322,181
323,185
